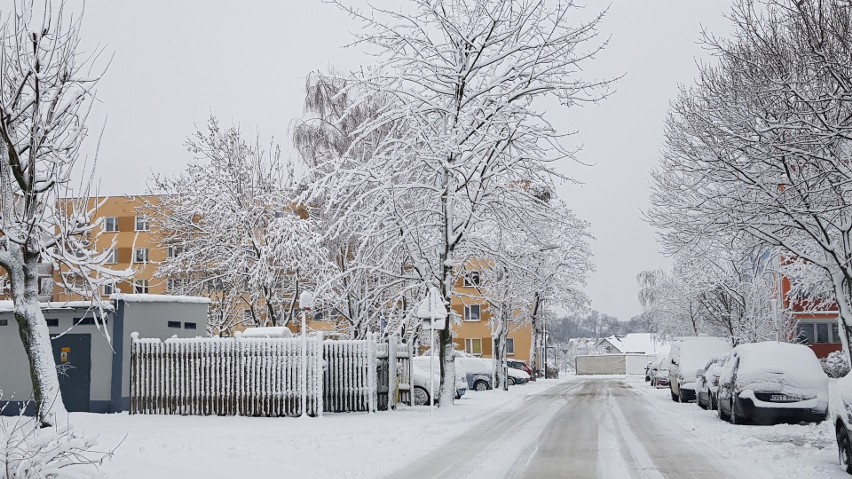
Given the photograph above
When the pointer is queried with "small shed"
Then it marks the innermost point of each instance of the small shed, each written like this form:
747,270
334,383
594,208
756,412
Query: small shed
94,372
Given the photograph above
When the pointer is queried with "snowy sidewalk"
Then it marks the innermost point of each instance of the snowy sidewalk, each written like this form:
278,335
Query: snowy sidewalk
784,450
352,445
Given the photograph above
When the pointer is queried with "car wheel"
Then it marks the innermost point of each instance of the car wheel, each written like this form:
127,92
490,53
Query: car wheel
421,396
480,386
719,410
736,417
511,381
844,449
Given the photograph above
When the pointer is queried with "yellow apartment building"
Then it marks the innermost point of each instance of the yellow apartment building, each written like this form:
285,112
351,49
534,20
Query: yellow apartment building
137,246
473,333
140,247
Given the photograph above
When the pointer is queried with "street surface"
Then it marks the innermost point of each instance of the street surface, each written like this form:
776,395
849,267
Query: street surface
586,428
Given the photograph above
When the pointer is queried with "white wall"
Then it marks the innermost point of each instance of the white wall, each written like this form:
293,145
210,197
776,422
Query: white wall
636,363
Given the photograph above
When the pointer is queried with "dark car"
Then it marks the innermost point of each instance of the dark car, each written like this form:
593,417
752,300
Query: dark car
522,365
772,382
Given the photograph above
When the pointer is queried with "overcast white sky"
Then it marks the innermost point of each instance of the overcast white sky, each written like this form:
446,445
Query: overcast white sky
245,61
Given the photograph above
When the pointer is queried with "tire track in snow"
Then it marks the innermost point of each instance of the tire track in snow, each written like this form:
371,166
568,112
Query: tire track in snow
489,446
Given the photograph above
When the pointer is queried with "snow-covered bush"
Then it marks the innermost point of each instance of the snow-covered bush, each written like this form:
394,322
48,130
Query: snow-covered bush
29,451
835,365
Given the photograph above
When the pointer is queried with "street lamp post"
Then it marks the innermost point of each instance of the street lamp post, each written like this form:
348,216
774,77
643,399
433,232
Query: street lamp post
306,303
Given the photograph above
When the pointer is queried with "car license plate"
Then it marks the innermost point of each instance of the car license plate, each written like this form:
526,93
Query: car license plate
782,398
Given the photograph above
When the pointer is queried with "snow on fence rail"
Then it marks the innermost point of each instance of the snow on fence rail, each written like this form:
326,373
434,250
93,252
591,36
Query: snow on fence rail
225,376
252,376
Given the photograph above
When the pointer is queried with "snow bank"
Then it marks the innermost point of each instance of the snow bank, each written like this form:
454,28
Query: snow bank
784,450
350,445
270,332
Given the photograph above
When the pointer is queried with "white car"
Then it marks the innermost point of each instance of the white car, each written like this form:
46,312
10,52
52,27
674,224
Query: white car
480,373
687,355
772,382
421,379
841,416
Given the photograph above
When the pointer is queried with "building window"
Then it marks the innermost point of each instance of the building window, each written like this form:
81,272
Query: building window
471,279
822,333
142,223
174,324
90,321
471,312
4,322
111,225
52,322
109,289
174,251
473,346
140,286
247,316
140,255
45,286
510,346
825,332
175,285
111,258
188,325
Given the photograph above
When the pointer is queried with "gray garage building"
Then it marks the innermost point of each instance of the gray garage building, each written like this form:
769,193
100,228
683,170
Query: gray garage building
94,373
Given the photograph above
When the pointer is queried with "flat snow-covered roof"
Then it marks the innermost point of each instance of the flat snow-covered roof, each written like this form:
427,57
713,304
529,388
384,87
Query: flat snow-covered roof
7,305
158,298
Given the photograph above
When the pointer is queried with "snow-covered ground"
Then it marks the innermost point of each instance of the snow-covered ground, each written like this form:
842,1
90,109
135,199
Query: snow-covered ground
784,450
338,445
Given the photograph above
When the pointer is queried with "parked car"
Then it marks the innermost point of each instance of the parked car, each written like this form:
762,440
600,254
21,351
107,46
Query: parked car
422,363
841,416
523,366
420,378
480,371
773,382
661,374
685,357
707,383
655,373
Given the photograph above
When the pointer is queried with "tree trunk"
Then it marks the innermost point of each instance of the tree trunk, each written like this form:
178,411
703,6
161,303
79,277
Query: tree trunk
36,339
534,329
843,292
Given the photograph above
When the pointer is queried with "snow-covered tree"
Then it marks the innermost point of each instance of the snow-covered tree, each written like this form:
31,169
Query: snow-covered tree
465,126
360,293
760,145
47,84
234,230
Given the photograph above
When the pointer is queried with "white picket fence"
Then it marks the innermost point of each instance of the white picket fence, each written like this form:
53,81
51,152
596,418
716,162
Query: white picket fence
226,376
252,376
350,375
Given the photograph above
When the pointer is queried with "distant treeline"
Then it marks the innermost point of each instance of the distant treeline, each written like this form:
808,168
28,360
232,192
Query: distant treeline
596,325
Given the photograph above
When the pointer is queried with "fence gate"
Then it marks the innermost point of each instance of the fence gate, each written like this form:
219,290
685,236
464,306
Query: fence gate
394,386
350,379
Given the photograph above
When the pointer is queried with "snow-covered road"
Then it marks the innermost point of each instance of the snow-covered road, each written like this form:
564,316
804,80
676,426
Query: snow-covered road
613,428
